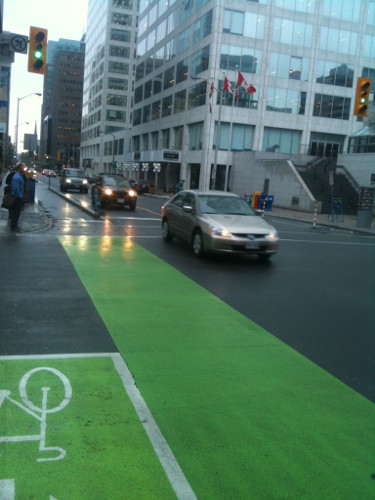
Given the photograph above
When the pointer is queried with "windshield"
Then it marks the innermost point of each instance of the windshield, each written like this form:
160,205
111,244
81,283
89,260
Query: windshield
231,205
75,173
115,181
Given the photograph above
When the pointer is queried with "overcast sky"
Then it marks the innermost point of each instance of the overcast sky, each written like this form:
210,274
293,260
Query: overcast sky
63,19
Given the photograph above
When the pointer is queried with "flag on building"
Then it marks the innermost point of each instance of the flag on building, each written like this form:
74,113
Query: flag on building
228,87
210,94
241,82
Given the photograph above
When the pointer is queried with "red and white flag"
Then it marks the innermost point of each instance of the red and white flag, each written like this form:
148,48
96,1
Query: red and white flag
210,94
228,87
241,82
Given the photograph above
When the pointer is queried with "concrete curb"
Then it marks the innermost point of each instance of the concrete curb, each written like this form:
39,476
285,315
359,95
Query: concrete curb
76,203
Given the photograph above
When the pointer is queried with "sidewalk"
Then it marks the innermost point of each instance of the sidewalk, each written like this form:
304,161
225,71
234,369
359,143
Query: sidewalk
34,219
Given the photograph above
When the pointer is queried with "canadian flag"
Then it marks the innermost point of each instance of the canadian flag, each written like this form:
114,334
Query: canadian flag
210,95
241,82
228,87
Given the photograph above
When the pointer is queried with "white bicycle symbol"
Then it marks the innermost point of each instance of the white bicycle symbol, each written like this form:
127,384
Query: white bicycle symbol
39,413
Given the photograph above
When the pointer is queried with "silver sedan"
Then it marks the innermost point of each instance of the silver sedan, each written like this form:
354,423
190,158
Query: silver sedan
216,221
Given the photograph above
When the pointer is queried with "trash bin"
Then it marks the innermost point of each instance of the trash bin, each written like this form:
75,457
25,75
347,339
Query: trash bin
269,201
255,199
31,190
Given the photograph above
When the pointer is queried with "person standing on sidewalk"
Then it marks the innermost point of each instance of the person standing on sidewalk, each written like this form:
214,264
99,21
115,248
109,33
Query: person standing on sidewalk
17,188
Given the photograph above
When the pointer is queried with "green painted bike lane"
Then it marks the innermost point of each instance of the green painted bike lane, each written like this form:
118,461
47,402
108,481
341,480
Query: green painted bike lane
246,416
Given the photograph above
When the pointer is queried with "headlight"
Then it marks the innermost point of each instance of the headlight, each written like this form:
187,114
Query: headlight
108,192
218,231
273,235
84,181
132,193
68,181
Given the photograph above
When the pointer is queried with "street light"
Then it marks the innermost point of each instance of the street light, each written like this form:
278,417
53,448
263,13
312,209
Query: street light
145,169
156,169
17,117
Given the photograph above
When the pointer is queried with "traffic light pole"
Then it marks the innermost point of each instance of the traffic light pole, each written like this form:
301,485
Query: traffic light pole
17,118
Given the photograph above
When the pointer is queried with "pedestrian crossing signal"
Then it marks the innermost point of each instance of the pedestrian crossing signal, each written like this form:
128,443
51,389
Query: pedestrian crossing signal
362,96
37,50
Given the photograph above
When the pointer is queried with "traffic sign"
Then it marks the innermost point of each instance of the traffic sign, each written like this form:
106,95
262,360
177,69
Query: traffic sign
18,43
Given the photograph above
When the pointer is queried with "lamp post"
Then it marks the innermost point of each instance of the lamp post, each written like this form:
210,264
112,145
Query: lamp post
156,169
136,167
17,116
145,170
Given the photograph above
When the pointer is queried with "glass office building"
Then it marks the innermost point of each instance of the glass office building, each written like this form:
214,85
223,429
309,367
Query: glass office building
217,78
107,90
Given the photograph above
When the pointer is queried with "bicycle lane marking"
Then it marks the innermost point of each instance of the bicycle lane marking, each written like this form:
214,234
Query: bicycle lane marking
245,415
68,430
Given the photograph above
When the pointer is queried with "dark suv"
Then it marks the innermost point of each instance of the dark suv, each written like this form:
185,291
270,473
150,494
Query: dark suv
113,190
73,178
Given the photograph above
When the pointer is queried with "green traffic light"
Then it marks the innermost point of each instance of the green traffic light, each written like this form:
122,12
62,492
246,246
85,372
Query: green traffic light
38,54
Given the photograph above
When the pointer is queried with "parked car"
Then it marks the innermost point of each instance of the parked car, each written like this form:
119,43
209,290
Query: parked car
73,178
51,173
140,186
113,190
217,221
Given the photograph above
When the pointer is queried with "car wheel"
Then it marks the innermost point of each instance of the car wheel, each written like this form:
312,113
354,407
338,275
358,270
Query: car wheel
132,207
167,236
198,243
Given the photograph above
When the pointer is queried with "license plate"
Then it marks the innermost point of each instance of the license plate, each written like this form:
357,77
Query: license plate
251,245
119,200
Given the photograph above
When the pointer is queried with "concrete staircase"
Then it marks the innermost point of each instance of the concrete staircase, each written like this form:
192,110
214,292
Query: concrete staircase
316,176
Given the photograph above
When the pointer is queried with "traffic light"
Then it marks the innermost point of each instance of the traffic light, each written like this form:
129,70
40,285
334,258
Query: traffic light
37,50
362,96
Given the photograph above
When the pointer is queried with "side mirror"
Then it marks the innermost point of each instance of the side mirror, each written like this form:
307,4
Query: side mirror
188,209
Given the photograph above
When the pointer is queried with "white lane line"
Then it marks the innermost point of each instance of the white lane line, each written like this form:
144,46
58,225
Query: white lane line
329,242
168,461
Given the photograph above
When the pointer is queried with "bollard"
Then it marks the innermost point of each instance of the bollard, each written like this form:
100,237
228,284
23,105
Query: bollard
264,207
315,212
96,200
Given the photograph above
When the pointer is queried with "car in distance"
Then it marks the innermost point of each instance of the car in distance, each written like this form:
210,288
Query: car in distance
140,186
73,178
217,221
113,190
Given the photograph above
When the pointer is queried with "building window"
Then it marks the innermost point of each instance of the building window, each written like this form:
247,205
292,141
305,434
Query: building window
168,78
120,35
286,101
165,135
117,100
155,140
137,117
200,61
287,66
292,32
343,9
182,71
115,116
117,84
281,140
336,40
331,73
146,114
116,51
202,27
195,136
178,138
118,67
224,135
298,5
166,109
155,113
328,106
180,101
242,137
123,4
240,58
197,95
156,84
121,19
247,24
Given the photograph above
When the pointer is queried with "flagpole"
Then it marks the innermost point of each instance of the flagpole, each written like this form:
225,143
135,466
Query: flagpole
213,175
